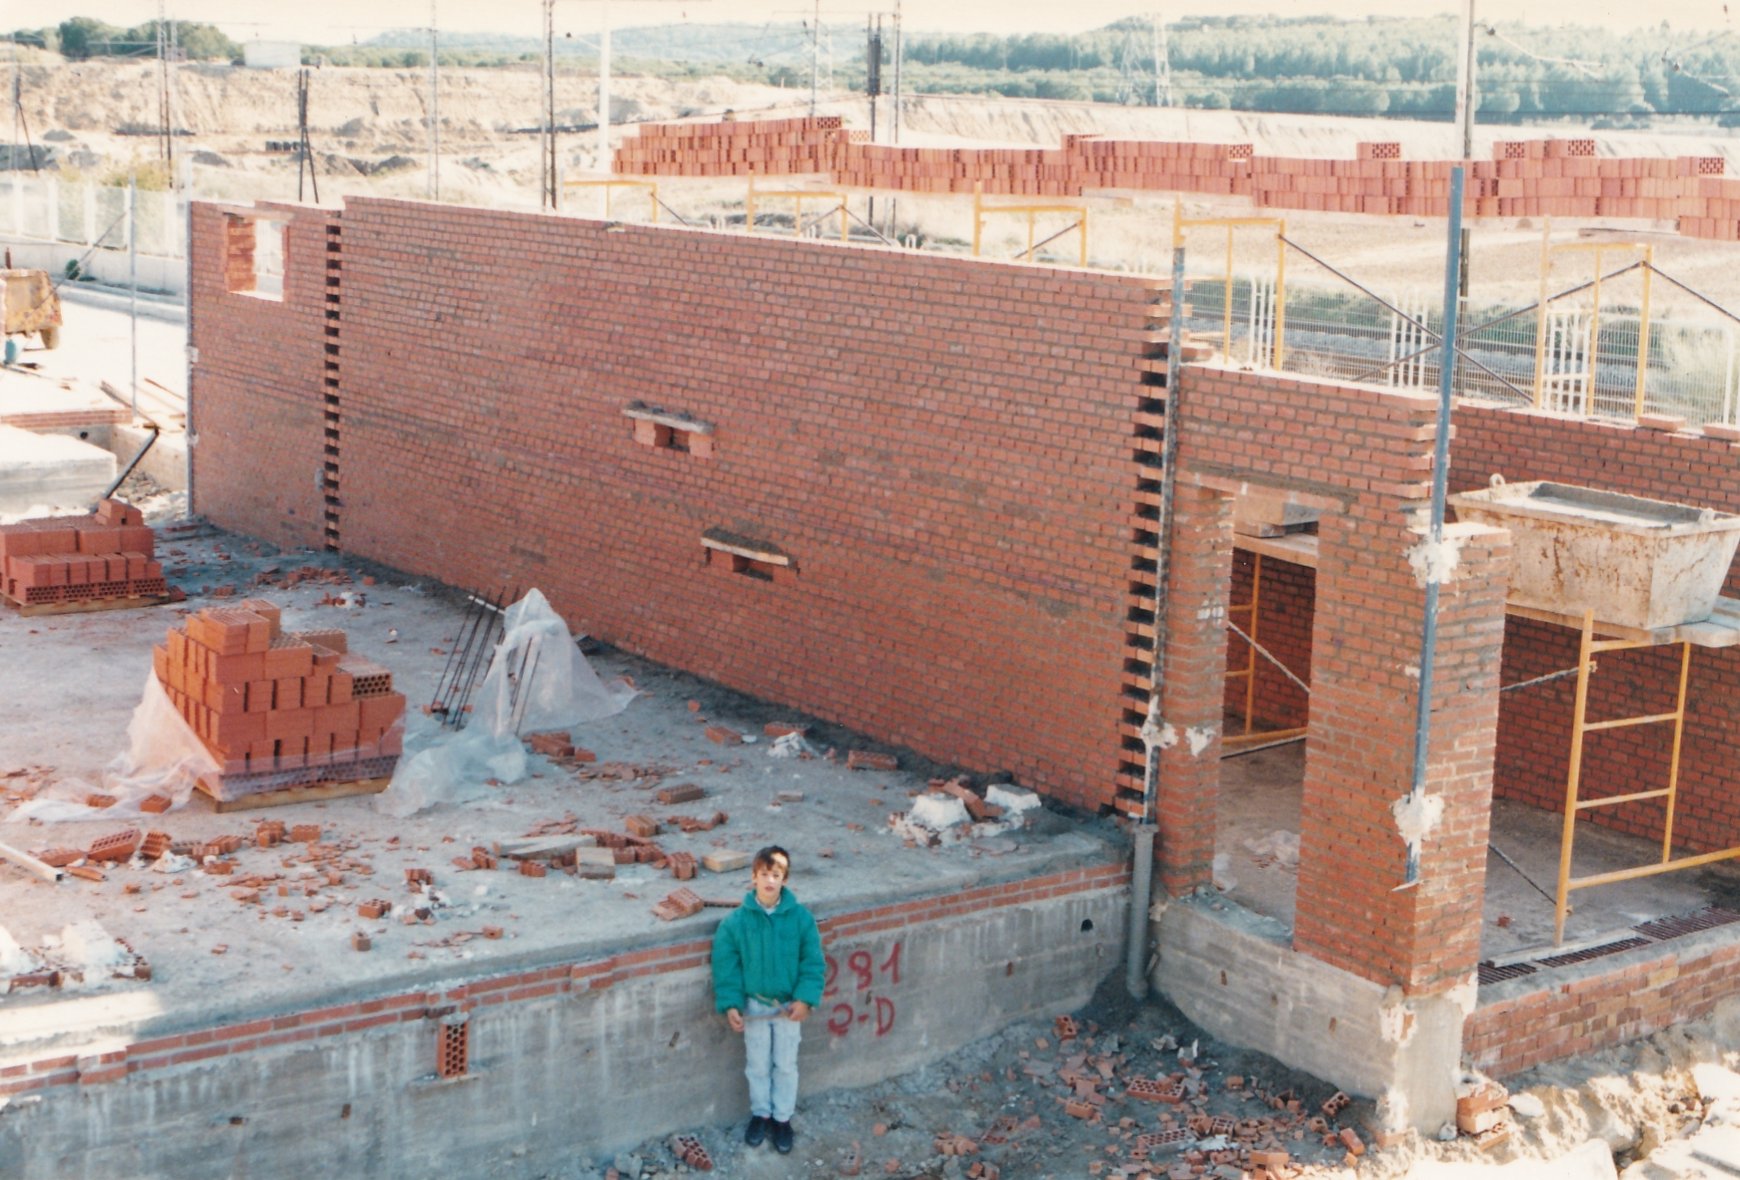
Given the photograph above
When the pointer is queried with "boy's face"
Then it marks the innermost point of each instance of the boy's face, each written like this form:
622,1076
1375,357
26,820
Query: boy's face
769,880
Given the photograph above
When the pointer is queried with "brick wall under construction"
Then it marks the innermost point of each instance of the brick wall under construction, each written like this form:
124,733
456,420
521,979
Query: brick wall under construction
903,499
892,491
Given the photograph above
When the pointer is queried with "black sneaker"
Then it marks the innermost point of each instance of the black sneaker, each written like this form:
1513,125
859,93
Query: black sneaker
756,1131
781,1137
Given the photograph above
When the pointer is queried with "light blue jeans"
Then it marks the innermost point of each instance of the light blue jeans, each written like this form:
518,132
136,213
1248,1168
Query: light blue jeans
770,1047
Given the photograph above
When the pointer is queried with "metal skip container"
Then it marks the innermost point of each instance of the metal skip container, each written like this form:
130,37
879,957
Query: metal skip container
1639,563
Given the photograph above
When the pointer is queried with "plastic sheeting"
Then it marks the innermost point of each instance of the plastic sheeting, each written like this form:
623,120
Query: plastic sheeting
163,757
537,680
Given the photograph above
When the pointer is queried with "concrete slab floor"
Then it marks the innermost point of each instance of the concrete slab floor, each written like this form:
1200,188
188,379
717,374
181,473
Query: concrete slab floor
215,957
1258,827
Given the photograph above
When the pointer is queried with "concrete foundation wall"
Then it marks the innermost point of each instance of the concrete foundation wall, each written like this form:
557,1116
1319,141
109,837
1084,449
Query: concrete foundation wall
1234,973
567,1061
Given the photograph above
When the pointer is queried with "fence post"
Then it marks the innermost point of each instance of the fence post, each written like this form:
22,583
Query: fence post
1643,329
1541,312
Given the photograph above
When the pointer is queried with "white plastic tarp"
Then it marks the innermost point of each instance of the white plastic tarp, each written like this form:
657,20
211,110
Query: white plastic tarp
537,680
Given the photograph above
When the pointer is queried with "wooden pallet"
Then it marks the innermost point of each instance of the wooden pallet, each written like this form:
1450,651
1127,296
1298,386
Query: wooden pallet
85,605
314,793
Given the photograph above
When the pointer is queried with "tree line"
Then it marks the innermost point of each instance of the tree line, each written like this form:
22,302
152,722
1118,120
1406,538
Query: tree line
1401,66
1398,66
82,37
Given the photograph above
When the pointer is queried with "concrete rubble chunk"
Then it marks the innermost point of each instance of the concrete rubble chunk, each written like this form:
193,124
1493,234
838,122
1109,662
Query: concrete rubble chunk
1014,800
543,847
726,860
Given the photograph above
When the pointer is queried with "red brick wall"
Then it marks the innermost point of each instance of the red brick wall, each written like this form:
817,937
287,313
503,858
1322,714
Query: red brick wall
940,445
1188,779
1534,736
1578,1016
1368,452
256,396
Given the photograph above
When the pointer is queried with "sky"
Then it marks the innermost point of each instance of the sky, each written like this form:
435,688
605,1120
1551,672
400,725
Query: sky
342,21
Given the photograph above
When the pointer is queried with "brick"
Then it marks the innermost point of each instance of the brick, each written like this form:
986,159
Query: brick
724,735
680,793
870,760
684,903
116,846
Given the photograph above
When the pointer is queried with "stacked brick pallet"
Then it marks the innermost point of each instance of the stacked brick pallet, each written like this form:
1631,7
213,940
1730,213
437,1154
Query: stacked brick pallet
767,147
1219,168
104,557
1010,171
1525,178
279,710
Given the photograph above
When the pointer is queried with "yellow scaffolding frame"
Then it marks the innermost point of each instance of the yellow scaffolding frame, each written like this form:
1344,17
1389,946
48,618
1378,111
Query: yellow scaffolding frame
1180,223
1580,725
1598,249
982,210
610,186
798,196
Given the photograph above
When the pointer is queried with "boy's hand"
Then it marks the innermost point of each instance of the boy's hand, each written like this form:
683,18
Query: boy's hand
798,1010
735,1019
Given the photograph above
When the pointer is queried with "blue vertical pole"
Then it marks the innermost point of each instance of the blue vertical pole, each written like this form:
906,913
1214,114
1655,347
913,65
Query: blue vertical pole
1440,476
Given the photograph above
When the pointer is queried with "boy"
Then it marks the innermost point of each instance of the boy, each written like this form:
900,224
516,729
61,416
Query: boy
767,976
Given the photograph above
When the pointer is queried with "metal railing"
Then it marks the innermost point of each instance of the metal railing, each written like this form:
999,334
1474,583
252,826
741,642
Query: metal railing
1571,356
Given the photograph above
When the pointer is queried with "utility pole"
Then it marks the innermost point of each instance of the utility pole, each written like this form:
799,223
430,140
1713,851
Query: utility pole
604,87
872,85
1467,90
552,186
1467,99
165,128
899,54
434,104
1162,62
815,52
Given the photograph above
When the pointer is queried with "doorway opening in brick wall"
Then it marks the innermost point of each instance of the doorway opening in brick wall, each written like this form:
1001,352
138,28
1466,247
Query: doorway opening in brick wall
1271,606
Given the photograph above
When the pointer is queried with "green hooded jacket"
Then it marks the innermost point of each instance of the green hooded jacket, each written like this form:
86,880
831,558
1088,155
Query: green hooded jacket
775,956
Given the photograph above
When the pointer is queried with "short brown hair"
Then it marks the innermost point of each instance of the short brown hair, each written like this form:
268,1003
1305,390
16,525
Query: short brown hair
774,857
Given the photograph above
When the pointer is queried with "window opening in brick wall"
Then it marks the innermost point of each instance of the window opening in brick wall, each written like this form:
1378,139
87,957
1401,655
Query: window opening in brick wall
736,554
669,431
453,1050
254,254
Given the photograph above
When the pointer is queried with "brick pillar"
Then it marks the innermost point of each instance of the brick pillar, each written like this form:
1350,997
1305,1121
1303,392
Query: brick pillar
1359,762
1191,700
